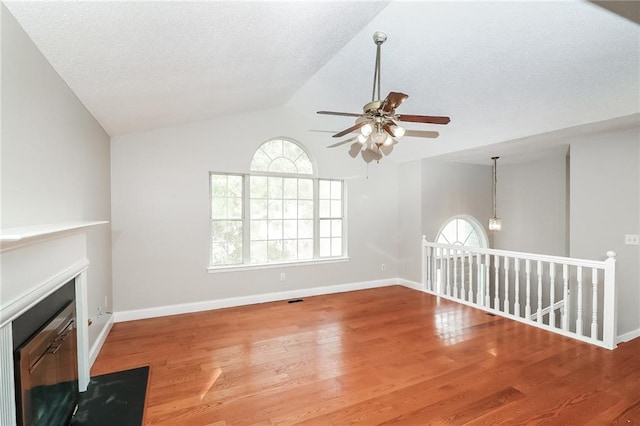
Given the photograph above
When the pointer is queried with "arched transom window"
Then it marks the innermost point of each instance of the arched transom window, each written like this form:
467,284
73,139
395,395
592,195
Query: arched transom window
281,156
463,230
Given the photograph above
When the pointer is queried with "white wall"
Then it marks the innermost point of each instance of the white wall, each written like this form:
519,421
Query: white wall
410,220
55,157
161,215
605,205
450,189
532,202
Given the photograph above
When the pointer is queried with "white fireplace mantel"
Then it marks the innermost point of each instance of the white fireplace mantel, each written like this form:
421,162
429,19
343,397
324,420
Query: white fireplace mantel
36,261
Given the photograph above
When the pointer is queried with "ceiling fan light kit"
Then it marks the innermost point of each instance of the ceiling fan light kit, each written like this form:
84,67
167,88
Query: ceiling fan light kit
377,127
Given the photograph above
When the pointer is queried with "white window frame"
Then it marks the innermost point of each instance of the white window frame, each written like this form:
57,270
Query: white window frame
246,224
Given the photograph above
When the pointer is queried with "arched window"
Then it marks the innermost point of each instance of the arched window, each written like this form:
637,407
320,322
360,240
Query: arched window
283,214
281,156
463,230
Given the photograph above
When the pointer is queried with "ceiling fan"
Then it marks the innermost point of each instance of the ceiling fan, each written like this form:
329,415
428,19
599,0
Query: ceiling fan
376,125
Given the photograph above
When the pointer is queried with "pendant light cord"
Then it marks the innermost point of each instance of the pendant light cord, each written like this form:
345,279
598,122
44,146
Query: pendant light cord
495,184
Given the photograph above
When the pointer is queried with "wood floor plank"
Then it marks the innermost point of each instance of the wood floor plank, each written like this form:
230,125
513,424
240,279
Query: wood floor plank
387,355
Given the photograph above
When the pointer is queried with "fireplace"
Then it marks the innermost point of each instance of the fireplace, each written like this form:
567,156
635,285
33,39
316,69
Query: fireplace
38,262
46,362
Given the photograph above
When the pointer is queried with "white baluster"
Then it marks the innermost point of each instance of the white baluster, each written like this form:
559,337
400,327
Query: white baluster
426,265
539,270
448,254
552,294
566,305
496,284
579,311
487,298
480,283
506,284
455,273
463,291
594,318
527,306
440,270
516,303
470,295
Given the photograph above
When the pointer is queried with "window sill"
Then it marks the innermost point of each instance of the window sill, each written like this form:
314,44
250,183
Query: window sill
250,267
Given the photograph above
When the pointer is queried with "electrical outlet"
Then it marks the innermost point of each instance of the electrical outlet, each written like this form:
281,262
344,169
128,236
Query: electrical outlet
383,267
282,276
632,239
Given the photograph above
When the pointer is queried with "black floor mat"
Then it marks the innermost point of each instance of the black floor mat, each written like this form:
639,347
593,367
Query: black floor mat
113,399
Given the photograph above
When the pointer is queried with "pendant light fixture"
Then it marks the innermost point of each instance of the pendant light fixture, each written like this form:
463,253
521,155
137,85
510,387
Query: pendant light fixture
495,223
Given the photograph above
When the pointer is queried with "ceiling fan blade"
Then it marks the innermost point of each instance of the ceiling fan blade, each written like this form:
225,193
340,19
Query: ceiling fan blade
421,134
393,100
342,142
343,114
430,119
350,129
355,150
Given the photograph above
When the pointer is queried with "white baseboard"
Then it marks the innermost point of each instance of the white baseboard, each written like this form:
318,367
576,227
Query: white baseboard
414,285
208,305
97,345
629,336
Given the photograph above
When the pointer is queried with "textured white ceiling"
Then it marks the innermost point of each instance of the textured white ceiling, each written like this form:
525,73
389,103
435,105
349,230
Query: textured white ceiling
502,70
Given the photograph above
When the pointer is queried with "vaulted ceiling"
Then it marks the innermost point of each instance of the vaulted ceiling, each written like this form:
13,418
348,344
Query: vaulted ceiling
501,70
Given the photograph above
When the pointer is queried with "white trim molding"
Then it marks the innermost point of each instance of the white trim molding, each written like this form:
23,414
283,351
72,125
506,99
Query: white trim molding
629,336
102,337
185,308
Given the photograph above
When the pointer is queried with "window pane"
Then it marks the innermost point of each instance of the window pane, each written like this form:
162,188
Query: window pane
274,251
282,165
304,166
219,208
234,253
234,206
273,148
336,246
290,189
275,187
325,247
258,230
305,189
336,208
305,229
305,209
325,208
449,232
325,228
290,229
218,185
235,186
258,252
324,189
219,253
258,186
336,190
275,209
290,250
292,151
260,161
290,209
336,228
305,249
258,209
275,230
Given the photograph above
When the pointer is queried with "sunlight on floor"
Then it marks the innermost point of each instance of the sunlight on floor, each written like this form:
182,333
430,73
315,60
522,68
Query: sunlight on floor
214,376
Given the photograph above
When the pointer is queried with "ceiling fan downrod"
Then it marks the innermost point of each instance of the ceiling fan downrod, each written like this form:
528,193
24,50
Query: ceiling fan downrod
378,37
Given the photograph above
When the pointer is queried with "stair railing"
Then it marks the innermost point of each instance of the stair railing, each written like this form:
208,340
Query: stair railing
568,296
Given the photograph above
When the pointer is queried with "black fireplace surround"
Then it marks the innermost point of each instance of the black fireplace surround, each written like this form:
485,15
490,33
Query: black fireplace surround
47,334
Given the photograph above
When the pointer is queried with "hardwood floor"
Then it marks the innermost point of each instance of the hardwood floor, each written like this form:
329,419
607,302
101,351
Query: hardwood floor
383,356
